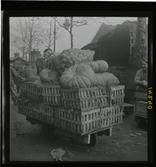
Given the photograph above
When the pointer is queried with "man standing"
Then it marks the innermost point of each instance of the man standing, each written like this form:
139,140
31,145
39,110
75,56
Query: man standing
42,62
15,78
140,79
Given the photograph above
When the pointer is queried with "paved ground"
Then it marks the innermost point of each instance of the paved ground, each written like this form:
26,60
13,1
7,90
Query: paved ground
127,143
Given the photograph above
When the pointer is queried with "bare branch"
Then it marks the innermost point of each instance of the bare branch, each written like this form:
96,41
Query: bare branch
76,25
61,25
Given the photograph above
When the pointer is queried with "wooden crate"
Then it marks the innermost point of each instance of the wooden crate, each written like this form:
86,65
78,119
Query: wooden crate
51,94
25,107
47,110
85,104
23,89
75,121
44,109
43,112
43,117
116,91
34,91
46,94
83,93
141,109
86,122
140,95
111,115
117,101
84,99
116,95
91,98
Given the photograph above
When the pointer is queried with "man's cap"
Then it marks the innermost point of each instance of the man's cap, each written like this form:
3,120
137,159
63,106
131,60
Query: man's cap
47,50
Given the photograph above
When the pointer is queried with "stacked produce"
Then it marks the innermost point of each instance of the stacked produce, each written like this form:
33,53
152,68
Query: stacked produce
98,66
75,68
105,79
71,57
80,91
77,76
49,76
30,74
88,74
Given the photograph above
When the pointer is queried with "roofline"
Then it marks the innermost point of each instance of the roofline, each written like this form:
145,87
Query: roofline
17,58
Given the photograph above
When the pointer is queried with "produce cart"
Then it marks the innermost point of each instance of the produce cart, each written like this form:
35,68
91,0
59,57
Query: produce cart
81,114
141,107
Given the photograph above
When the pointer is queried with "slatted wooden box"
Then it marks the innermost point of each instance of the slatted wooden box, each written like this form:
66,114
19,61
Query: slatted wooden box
25,107
83,93
34,91
85,122
43,112
23,89
84,99
116,95
141,109
51,94
140,95
46,94
111,115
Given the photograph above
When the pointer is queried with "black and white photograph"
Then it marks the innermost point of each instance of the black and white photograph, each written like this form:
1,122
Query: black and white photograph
79,88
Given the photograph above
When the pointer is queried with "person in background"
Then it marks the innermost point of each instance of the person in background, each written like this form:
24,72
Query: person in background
140,80
27,71
14,79
42,62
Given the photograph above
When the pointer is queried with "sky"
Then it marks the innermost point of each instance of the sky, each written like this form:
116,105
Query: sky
82,35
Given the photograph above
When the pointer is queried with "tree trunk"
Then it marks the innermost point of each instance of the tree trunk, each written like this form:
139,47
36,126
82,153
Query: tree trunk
71,33
141,41
54,34
23,52
30,48
71,39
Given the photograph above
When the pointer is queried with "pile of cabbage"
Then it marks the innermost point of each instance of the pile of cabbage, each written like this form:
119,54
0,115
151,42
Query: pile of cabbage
70,57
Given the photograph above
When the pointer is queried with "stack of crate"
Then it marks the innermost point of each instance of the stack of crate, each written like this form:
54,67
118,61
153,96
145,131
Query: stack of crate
43,113
51,95
25,107
42,99
88,121
34,91
45,94
23,89
89,109
79,111
84,99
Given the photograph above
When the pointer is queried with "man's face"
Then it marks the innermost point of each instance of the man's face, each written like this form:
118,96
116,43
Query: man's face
144,65
47,54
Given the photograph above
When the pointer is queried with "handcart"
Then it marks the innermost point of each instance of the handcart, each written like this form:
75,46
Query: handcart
80,114
140,108
91,139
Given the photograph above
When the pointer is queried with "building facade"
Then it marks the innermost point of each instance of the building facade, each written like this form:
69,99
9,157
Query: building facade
18,62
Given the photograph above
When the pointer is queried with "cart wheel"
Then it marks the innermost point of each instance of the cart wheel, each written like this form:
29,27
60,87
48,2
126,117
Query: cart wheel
48,132
141,122
93,140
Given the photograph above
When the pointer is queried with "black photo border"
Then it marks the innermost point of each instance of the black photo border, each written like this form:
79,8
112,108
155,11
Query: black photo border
90,8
